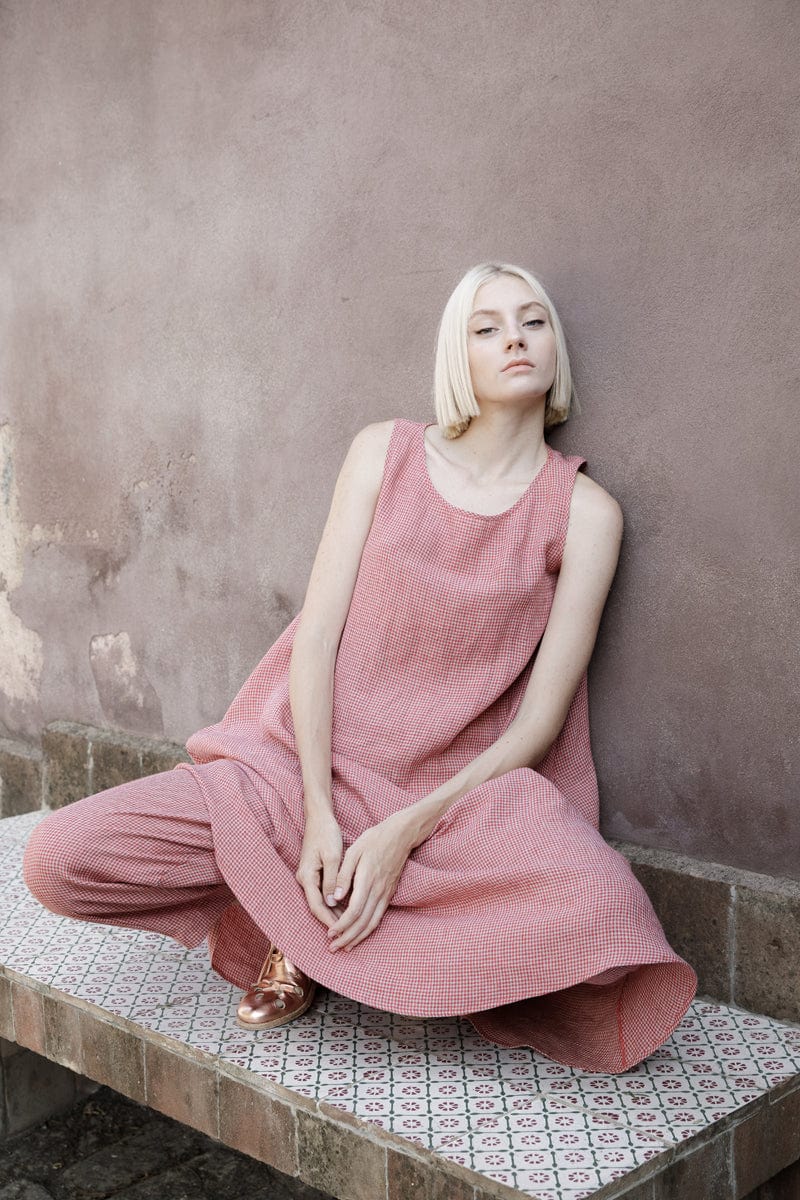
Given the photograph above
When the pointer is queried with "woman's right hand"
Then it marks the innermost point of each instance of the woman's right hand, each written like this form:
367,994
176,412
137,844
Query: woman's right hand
320,859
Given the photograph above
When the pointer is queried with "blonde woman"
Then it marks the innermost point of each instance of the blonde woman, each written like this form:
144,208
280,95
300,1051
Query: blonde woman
401,802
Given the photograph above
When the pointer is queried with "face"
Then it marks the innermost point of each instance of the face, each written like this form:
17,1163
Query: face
511,346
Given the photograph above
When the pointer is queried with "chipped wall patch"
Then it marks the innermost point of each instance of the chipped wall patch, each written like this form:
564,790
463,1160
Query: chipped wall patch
21,650
46,535
127,697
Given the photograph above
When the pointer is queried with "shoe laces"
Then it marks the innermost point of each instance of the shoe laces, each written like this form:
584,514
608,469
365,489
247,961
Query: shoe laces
279,988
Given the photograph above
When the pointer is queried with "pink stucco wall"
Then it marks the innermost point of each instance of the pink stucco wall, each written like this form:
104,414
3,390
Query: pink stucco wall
226,235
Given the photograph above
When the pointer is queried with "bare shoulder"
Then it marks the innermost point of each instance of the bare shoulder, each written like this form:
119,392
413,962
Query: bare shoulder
373,440
594,510
367,454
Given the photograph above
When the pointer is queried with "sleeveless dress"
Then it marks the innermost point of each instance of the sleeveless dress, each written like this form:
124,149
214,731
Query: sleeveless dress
514,913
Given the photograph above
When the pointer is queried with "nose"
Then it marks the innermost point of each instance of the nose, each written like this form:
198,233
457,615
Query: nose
516,336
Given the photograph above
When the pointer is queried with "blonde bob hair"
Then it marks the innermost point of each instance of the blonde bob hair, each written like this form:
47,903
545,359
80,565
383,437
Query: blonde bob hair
453,394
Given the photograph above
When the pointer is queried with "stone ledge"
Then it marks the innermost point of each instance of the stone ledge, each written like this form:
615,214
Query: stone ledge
20,777
739,930
341,1153
76,761
80,760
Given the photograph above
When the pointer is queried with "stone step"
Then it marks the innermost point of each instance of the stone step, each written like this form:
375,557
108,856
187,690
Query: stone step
108,1146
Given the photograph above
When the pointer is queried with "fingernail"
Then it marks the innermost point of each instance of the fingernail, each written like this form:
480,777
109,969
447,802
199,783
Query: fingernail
339,893
330,899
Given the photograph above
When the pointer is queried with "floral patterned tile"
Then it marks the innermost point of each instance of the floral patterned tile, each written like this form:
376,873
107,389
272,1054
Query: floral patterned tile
670,1108
562,1151
510,1114
719,1059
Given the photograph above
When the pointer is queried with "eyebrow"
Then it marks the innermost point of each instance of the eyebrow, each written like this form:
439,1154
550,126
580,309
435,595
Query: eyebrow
490,312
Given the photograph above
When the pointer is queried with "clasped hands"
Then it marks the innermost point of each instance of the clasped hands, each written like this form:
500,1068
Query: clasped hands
349,894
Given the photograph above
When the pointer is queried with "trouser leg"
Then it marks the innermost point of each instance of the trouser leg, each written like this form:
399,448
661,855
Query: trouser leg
140,855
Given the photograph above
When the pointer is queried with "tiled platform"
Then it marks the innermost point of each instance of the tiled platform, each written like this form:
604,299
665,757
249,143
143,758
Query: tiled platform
366,1104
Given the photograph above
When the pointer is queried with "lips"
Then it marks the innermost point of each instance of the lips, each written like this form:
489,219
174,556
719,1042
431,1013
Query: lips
518,362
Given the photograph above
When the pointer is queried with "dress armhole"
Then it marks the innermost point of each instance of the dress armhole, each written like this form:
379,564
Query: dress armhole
396,438
555,550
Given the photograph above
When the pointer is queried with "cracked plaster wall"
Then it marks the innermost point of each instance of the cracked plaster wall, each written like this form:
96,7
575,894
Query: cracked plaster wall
226,235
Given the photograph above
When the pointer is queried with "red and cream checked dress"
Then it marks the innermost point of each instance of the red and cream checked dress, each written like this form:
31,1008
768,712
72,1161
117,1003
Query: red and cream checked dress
514,912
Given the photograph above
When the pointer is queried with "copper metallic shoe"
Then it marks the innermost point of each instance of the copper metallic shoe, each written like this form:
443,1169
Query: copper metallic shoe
281,993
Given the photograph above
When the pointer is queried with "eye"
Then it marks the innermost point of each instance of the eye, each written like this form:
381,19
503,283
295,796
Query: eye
485,329
535,321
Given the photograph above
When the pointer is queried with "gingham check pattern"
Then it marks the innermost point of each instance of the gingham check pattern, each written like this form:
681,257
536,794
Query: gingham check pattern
514,912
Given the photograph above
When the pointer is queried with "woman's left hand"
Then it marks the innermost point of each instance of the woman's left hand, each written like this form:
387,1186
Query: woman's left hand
372,866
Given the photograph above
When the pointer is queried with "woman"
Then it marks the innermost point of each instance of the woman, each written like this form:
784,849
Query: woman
367,814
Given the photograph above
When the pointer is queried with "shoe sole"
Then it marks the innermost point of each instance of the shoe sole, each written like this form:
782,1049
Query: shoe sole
284,1020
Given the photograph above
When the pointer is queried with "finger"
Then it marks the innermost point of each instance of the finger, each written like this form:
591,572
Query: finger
321,911
342,935
373,925
360,890
316,903
345,876
352,912
330,868
362,928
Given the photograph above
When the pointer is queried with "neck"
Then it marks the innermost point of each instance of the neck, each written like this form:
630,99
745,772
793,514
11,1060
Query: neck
501,442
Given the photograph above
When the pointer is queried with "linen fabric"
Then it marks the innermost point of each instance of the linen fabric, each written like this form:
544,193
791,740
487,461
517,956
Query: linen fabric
514,912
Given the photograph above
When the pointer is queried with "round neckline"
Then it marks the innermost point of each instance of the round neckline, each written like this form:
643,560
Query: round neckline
468,512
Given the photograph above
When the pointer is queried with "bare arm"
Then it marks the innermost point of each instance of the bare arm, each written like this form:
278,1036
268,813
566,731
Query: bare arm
316,642
590,558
